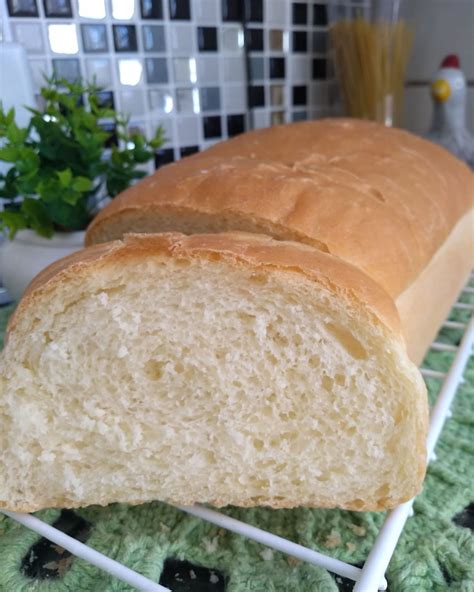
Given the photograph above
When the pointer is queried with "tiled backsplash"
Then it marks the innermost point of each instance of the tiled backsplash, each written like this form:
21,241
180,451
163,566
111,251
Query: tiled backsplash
203,69
209,69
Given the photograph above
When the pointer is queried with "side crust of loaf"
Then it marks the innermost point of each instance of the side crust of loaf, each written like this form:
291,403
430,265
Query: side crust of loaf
56,292
426,303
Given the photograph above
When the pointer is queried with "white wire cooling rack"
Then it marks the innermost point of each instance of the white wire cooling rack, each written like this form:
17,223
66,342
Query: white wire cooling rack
370,577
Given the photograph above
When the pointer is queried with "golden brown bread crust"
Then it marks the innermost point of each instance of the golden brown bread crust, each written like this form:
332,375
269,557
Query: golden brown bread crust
258,251
381,199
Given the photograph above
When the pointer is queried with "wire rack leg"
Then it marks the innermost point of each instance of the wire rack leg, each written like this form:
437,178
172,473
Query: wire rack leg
386,541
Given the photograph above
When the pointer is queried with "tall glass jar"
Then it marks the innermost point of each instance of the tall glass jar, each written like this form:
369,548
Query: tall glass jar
371,45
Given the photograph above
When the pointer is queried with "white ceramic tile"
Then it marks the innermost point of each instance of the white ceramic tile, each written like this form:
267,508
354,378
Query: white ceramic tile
123,10
334,95
91,9
182,39
261,118
277,118
277,95
208,69
441,27
130,72
232,39
277,11
161,101
30,35
206,11
278,40
233,69
208,143
299,69
185,70
38,69
132,102
99,69
234,98
188,130
167,125
187,100
318,93
63,38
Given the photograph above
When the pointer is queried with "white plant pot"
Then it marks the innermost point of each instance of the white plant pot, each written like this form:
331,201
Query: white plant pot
27,254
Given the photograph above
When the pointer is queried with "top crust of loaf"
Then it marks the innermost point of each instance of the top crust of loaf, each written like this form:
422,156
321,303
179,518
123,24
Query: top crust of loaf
258,251
381,199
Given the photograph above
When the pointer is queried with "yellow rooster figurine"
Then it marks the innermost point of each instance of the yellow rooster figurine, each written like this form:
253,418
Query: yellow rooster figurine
448,126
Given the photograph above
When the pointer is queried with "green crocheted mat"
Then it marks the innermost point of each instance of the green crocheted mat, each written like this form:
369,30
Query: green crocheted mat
435,552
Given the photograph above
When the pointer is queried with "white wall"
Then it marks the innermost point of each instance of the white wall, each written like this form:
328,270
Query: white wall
441,27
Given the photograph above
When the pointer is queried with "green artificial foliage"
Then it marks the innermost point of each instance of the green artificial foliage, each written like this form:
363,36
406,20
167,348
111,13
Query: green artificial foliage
61,164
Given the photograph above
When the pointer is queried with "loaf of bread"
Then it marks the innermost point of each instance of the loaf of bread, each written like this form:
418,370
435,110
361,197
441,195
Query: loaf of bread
223,368
394,205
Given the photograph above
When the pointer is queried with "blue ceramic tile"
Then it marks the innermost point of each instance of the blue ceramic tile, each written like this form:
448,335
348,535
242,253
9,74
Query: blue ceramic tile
300,116
320,15
58,8
254,11
188,151
210,98
254,39
256,96
180,10
106,99
67,68
164,156
125,38
277,67
207,38
320,42
233,10
235,125
22,8
300,13
319,68
156,70
256,68
94,38
154,38
212,127
300,95
151,9
299,42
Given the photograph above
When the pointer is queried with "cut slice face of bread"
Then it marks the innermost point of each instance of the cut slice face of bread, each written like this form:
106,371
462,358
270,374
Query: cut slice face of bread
224,369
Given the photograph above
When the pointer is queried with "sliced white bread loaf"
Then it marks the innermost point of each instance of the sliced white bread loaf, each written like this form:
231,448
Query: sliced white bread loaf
396,206
227,368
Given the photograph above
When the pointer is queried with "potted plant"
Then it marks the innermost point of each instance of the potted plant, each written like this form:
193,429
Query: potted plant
63,166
